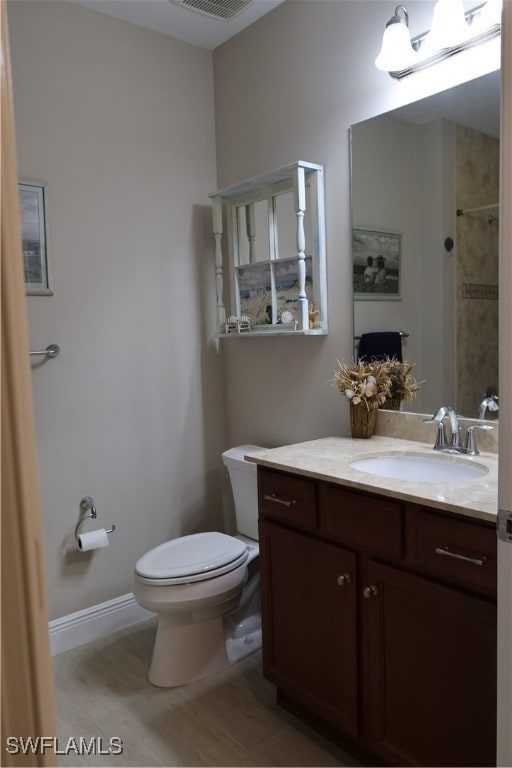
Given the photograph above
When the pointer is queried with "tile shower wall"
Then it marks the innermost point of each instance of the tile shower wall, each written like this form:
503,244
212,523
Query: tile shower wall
477,267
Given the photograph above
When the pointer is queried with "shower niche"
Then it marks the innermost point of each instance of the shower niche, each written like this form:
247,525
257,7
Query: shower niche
270,270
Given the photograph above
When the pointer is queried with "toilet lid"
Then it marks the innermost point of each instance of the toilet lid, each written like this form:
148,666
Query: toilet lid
193,558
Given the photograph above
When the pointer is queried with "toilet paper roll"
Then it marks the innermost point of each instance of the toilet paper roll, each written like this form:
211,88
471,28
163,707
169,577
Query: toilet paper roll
93,540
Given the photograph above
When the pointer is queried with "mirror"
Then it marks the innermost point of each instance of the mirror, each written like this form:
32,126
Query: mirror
425,193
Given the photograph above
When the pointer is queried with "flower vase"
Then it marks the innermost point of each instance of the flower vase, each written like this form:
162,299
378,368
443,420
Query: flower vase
392,404
362,420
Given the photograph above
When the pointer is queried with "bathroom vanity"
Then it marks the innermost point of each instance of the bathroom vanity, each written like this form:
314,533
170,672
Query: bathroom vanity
379,603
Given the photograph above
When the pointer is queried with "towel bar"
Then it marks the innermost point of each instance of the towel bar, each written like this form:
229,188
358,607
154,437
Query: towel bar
403,334
52,350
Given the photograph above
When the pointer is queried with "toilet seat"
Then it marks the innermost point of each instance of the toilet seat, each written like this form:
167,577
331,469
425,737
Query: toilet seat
193,558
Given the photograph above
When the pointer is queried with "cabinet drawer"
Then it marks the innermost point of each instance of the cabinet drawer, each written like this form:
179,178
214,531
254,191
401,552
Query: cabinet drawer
288,498
363,521
456,548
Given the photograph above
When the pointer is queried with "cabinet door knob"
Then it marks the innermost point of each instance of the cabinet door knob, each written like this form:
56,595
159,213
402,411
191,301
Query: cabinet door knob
370,591
343,579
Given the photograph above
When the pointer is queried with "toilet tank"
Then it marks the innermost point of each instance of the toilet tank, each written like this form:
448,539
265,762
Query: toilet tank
244,484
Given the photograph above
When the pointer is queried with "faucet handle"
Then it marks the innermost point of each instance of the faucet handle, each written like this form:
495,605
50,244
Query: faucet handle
455,439
470,447
441,440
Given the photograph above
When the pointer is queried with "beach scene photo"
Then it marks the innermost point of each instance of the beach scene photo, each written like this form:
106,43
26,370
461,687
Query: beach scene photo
376,259
255,289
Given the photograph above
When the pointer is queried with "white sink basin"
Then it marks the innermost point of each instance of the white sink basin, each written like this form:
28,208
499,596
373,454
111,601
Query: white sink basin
420,468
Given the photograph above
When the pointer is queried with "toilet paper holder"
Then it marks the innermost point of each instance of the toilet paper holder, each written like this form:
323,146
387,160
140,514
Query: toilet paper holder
87,506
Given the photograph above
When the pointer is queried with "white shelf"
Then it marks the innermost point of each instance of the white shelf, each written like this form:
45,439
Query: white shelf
263,334
276,251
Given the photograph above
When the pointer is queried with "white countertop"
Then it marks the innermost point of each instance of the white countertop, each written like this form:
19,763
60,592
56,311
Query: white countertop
329,459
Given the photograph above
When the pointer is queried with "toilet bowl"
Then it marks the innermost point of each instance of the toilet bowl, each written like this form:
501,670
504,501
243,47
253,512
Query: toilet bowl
205,589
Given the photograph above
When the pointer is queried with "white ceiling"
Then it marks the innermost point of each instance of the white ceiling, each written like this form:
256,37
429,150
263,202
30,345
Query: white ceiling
181,22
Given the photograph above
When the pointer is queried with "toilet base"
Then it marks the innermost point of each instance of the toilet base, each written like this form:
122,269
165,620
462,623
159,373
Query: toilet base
186,653
243,639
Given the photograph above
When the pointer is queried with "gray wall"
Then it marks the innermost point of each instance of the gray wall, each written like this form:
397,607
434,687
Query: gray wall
119,122
288,88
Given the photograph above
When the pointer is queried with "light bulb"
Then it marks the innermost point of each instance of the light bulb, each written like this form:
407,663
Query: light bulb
397,52
449,26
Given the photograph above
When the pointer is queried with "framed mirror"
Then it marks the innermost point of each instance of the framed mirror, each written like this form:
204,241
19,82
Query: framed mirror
426,177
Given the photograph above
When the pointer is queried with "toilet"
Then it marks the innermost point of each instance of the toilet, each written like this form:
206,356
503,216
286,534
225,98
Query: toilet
205,589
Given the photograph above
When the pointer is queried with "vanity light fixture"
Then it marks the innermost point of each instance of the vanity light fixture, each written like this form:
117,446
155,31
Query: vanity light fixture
452,31
397,51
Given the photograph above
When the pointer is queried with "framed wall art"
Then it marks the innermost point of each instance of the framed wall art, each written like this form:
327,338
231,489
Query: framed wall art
33,196
376,264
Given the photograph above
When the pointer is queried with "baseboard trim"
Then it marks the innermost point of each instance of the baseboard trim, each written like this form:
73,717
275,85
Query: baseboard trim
99,620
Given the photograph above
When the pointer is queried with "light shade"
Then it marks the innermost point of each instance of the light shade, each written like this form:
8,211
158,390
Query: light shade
449,26
490,14
396,52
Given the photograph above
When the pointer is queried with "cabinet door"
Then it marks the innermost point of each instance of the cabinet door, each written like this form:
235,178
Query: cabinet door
429,661
308,614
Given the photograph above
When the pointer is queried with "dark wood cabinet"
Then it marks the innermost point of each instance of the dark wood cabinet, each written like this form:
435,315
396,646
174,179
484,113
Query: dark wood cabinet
310,623
379,621
428,671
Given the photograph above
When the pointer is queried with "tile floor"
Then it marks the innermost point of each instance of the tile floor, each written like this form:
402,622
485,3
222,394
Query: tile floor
230,719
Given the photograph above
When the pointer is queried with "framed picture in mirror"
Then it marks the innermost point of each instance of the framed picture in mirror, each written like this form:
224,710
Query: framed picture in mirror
376,264
33,197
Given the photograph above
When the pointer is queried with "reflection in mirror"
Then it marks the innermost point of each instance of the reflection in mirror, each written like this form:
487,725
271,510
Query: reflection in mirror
253,235
428,174
267,230
256,239
286,225
276,253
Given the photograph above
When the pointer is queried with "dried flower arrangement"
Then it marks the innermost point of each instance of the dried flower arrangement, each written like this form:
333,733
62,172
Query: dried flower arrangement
403,384
377,381
363,382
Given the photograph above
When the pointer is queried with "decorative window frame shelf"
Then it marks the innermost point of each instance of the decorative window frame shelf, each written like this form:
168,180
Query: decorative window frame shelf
307,299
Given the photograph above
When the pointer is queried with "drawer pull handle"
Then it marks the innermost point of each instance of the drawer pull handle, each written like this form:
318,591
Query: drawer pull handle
343,580
287,503
473,560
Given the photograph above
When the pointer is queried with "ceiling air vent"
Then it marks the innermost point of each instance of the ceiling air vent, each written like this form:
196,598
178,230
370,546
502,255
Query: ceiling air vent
217,9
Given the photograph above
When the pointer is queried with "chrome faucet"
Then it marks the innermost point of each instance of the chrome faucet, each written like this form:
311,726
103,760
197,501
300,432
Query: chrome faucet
454,446
491,403
441,443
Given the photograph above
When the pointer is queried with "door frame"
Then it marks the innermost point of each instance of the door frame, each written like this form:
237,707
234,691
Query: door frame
27,688
504,703
30,695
